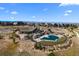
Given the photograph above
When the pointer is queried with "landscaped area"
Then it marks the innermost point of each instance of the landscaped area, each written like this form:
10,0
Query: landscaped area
42,40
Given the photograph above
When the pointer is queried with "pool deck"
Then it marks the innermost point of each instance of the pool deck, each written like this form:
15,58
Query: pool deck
39,39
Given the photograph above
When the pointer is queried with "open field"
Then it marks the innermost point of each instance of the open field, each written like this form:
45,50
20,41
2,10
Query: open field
18,40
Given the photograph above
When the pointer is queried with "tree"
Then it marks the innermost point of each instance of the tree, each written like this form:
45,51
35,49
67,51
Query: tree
55,25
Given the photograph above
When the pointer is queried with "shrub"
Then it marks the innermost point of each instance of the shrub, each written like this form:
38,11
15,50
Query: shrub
38,46
1,37
51,54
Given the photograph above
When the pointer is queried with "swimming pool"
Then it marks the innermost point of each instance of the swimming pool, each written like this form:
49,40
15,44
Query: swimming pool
50,37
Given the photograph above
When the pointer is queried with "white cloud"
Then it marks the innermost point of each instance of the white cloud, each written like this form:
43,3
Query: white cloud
68,2
67,12
2,8
33,16
14,12
12,17
41,20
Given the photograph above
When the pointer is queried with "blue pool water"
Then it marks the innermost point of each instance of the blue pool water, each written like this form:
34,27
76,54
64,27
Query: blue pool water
50,37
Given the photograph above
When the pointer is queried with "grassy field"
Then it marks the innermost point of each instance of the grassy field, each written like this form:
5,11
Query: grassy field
72,51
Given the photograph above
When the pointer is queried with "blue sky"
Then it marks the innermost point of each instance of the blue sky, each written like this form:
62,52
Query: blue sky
39,12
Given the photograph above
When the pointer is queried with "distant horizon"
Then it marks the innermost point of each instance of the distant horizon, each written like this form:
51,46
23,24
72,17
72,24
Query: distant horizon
41,22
